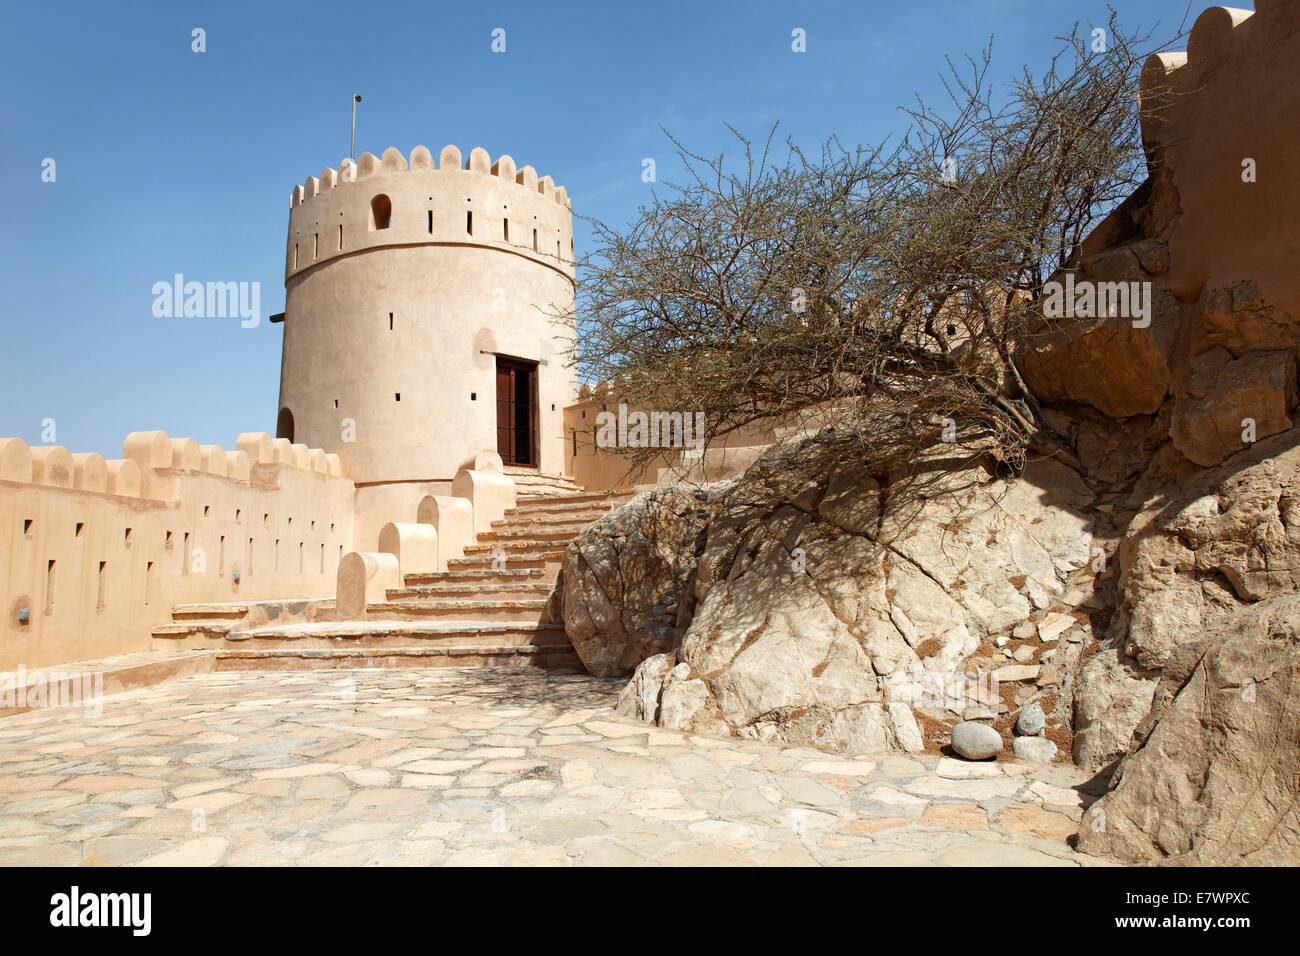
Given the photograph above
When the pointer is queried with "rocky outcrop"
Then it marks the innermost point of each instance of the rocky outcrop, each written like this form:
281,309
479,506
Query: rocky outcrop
1201,546
827,608
1212,776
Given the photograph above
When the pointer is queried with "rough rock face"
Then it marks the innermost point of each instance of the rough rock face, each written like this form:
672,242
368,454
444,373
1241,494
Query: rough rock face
663,691
1233,402
818,615
1202,544
815,605
621,586
1212,778
1111,696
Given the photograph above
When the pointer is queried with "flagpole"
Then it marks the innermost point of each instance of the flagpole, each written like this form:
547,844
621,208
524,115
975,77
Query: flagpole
352,147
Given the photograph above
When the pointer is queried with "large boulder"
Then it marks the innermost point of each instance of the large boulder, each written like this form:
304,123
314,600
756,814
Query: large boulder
1119,364
1214,774
623,580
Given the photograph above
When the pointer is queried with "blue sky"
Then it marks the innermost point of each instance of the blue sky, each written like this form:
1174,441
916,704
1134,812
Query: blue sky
173,161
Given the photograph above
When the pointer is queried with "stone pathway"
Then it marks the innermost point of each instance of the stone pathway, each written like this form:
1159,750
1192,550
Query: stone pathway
484,767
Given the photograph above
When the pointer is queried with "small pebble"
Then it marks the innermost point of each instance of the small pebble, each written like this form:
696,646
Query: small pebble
1032,720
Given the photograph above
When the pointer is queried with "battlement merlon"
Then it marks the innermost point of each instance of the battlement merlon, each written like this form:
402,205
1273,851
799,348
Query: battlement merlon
1221,37
383,202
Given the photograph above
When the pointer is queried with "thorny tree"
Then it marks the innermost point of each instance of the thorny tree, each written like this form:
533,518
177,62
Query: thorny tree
893,282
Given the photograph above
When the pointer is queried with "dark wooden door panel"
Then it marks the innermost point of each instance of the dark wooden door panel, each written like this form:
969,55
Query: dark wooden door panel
516,411
506,413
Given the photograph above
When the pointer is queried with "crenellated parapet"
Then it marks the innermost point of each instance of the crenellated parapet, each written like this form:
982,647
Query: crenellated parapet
386,201
262,449
1223,39
55,467
149,453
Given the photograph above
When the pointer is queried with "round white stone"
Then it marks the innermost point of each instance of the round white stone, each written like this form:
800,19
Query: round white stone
975,741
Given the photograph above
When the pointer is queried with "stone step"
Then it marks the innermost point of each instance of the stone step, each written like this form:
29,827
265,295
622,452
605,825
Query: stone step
577,519
547,502
396,632
524,471
109,675
311,658
533,487
548,564
515,548
535,483
528,535
484,559
477,575
551,519
209,612
579,515
179,631
489,589
531,610
250,613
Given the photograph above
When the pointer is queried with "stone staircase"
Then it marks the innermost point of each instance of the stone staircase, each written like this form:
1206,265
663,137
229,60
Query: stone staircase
488,608
529,482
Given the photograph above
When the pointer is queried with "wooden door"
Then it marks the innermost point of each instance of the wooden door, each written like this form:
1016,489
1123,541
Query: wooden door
516,415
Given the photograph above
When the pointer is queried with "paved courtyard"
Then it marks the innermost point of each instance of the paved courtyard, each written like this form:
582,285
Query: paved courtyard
483,767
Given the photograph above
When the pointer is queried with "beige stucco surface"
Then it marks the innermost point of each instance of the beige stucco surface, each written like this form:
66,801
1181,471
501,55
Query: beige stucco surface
1227,100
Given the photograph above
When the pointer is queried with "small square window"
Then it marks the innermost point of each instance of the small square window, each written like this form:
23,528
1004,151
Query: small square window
80,528
27,526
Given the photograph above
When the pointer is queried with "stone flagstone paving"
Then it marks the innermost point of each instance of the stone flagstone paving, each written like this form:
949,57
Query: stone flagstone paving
484,767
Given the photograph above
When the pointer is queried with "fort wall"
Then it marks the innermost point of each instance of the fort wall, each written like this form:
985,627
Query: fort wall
97,552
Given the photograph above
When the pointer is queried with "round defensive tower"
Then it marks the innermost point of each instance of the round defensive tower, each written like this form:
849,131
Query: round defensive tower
420,306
